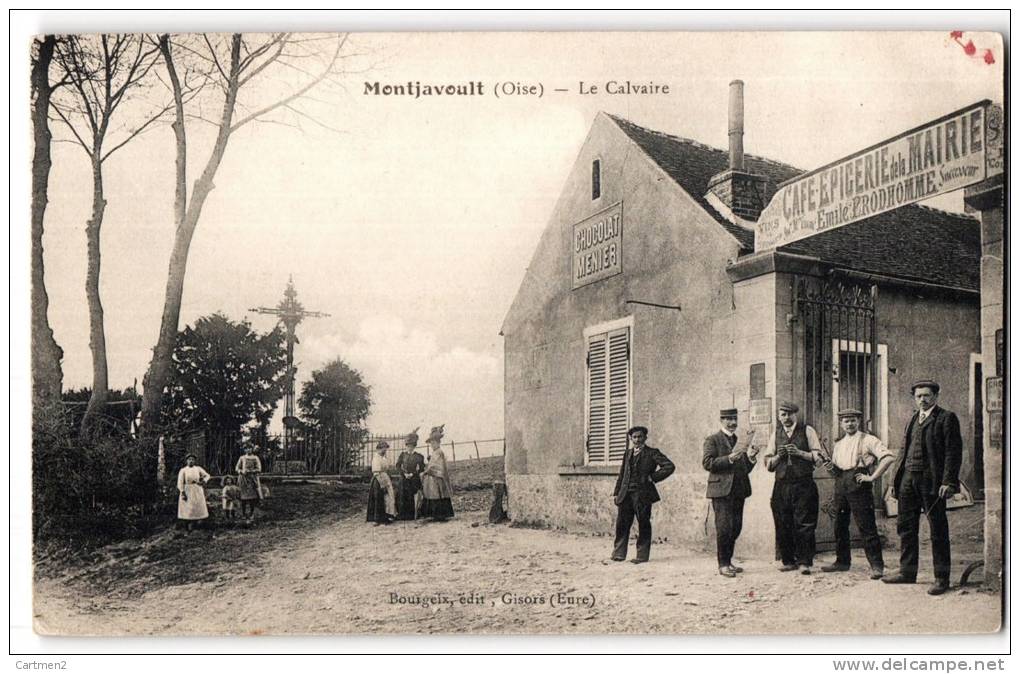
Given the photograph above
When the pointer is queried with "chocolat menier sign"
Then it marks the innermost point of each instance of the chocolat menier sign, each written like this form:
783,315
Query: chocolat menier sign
950,153
597,247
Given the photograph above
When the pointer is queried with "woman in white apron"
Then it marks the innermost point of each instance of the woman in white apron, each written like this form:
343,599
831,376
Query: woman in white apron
191,505
382,498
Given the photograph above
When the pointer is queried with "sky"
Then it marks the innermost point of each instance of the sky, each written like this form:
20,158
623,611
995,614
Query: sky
412,222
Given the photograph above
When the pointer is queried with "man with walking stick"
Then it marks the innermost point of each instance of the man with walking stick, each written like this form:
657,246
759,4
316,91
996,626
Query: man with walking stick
927,474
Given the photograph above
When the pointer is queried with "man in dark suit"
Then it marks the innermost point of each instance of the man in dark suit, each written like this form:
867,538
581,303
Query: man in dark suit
927,473
728,486
635,493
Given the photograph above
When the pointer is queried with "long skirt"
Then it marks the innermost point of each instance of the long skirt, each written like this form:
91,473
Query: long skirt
381,501
194,508
409,498
437,508
250,486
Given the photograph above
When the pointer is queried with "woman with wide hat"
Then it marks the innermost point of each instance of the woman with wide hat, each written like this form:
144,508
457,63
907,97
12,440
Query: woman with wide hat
436,481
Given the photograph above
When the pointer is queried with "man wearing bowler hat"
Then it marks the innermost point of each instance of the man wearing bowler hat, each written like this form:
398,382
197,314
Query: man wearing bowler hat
728,460
927,474
858,459
635,493
792,454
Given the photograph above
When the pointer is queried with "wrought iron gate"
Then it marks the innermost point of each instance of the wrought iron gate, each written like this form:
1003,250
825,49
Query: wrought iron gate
838,368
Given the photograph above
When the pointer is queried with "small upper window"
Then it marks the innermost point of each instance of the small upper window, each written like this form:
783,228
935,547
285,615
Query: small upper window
596,179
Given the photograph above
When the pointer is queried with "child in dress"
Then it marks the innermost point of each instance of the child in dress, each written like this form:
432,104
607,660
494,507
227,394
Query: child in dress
231,495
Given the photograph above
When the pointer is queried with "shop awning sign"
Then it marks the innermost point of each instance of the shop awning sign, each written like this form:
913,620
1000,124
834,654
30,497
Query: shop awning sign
950,153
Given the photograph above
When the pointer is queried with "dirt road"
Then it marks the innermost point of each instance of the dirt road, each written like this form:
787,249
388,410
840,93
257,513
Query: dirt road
341,575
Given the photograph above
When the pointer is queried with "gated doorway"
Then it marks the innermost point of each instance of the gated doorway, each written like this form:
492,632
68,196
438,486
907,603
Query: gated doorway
840,364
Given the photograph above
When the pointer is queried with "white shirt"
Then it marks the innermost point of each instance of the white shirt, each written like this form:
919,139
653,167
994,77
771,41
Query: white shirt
857,450
923,414
380,463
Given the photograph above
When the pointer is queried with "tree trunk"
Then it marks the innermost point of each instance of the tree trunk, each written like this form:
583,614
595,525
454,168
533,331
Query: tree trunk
187,216
97,335
47,377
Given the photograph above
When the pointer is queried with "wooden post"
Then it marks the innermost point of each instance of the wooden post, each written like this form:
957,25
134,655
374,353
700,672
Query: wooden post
453,450
477,456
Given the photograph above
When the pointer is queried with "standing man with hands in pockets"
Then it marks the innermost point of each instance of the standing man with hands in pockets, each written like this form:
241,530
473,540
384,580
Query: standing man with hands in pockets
729,461
635,493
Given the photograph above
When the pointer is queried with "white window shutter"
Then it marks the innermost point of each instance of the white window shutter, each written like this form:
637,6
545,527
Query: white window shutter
597,399
619,392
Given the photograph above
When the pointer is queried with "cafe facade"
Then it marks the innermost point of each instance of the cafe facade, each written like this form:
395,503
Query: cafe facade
645,303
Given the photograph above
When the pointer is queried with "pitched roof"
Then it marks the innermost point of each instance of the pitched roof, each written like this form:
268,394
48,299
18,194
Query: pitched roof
911,242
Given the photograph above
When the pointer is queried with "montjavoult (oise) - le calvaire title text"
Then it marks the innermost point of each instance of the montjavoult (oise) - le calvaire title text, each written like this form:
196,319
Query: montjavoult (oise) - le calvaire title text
417,89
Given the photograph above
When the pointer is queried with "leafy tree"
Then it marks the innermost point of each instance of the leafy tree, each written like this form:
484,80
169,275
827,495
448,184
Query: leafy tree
225,376
336,398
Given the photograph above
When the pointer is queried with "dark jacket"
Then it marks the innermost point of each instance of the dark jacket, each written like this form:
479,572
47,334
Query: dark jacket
414,463
715,459
943,447
652,467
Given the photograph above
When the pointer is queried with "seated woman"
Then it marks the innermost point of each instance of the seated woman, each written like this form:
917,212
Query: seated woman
435,481
382,500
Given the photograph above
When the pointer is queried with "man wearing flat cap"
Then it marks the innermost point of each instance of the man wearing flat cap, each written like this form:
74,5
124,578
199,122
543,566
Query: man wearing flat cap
927,474
635,493
858,459
728,460
792,454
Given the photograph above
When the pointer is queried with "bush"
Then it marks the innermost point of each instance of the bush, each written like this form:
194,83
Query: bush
87,493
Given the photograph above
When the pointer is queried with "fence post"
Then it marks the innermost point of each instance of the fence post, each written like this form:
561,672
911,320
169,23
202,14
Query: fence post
453,450
504,446
477,455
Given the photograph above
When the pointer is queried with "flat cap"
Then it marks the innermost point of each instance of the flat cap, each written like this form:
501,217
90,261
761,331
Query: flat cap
788,406
728,413
849,412
925,383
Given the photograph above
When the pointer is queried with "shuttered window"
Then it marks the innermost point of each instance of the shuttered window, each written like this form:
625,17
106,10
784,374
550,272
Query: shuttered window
608,396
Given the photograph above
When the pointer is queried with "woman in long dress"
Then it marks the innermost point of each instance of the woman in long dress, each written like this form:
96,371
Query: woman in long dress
191,505
410,463
435,481
248,469
382,500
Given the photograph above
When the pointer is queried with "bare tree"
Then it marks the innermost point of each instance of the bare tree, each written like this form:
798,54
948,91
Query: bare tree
47,376
103,72
260,78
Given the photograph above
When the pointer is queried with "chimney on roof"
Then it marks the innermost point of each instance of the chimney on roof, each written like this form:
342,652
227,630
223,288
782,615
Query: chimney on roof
737,125
739,195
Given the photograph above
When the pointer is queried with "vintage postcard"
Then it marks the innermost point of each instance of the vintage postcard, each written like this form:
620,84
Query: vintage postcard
517,333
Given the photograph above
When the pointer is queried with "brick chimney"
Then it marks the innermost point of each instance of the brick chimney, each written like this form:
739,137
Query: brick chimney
741,192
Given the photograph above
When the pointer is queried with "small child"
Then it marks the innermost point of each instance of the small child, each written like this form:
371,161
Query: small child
231,494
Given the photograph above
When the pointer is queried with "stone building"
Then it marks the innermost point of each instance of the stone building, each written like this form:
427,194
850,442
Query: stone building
647,221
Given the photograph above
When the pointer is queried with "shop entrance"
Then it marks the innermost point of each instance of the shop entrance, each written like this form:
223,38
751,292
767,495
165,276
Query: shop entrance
840,365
